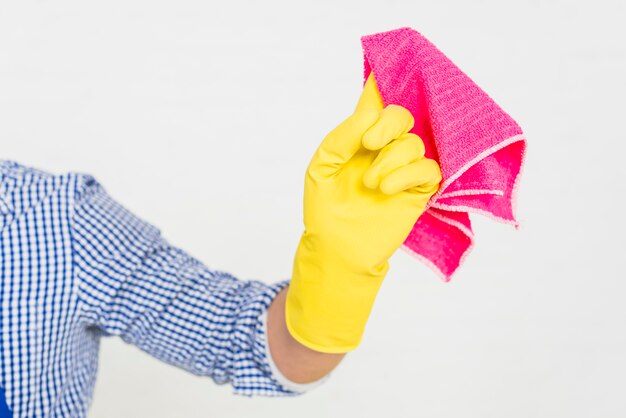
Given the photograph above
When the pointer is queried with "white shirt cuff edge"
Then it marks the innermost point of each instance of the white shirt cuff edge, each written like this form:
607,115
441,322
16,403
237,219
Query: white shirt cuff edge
284,381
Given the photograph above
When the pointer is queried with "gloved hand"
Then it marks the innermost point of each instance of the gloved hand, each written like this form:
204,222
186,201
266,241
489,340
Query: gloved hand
364,189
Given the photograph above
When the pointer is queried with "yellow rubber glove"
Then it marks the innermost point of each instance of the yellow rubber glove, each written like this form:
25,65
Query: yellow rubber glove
364,189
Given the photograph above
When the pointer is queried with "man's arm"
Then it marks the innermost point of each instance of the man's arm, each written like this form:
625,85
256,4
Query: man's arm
295,361
134,284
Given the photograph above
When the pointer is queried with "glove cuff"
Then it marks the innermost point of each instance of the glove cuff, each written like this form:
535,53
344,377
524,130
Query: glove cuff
329,302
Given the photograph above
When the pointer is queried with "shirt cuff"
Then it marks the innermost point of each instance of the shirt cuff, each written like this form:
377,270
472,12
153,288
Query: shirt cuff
254,370
276,373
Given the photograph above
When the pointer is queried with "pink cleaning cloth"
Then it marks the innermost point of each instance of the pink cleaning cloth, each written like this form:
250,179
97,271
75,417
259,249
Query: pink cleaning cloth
479,147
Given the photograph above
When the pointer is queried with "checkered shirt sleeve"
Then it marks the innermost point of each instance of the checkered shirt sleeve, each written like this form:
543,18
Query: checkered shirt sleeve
134,284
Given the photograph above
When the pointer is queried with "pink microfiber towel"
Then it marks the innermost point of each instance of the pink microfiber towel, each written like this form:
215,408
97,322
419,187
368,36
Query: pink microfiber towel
479,147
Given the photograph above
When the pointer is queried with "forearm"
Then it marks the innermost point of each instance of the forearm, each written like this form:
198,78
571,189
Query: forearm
296,362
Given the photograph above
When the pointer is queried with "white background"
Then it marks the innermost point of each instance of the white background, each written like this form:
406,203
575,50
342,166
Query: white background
201,117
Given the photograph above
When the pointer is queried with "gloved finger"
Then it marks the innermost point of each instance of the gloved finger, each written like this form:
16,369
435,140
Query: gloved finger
423,175
340,145
399,152
370,96
394,121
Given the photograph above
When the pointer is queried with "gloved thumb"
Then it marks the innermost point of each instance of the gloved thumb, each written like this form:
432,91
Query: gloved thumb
344,141
370,97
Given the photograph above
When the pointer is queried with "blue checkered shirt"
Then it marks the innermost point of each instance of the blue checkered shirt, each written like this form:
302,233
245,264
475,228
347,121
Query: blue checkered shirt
76,266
